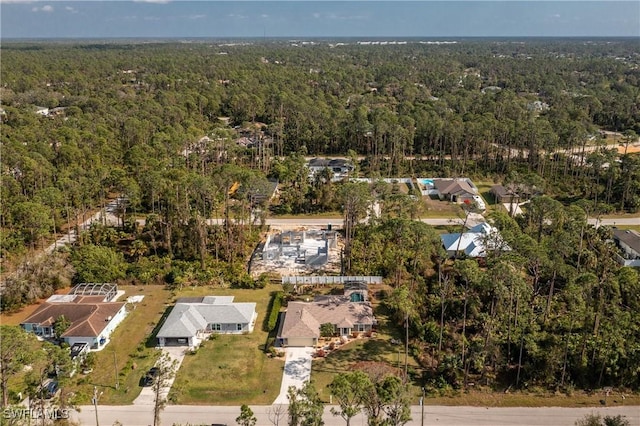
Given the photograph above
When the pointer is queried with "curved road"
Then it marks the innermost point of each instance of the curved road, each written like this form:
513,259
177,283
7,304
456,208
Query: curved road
433,415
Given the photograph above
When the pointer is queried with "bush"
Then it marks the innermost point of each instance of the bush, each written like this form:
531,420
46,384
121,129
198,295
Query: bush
276,304
327,330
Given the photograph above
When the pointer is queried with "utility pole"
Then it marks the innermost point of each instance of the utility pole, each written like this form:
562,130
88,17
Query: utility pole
422,407
406,345
95,402
115,368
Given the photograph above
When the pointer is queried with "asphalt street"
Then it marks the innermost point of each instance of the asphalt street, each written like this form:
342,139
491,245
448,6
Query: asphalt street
433,415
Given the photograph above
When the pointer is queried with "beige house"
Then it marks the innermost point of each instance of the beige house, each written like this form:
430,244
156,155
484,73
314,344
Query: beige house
348,313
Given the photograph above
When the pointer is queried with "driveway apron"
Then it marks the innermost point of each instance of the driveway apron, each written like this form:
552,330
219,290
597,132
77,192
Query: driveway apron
297,371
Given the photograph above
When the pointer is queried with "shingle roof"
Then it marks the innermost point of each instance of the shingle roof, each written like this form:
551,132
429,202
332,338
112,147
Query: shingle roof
300,322
303,319
453,186
190,315
88,318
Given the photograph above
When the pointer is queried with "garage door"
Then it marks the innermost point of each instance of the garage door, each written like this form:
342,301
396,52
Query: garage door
176,341
300,341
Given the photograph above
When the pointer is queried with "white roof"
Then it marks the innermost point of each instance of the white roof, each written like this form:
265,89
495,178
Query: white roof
473,243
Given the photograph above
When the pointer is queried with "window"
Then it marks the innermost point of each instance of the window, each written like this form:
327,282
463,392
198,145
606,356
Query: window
239,327
215,327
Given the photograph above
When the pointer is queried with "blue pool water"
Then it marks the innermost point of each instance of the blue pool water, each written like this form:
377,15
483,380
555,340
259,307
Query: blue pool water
426,182
357,297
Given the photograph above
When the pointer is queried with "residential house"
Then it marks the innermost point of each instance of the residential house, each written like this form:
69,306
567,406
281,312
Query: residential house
340,167
503,194
44,111
455,190
193,319
628,241
92,319
349,313
474,243
460,191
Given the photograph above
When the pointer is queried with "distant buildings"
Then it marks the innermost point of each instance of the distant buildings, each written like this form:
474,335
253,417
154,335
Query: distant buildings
476,242
339,167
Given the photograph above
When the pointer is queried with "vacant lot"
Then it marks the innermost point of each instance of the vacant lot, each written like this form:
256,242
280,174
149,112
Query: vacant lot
231,369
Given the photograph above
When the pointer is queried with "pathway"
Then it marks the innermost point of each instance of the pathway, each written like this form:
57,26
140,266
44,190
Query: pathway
147,397
297,370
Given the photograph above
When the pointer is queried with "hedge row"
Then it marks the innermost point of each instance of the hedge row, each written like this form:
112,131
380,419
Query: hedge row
276,304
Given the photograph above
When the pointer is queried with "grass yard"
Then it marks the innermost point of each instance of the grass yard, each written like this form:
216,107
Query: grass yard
629,227
231,369
378,348
133,356
531,399
435,208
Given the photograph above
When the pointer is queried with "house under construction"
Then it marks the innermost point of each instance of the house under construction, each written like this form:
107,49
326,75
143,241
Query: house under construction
308,247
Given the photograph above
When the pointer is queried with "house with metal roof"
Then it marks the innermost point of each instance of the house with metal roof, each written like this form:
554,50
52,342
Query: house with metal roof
628,241
193,319
475,242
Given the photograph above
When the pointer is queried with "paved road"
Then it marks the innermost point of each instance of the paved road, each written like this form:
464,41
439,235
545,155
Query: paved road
337,222
615,221
434,415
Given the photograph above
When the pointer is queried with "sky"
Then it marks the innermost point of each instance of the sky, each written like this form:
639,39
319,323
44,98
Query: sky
308,18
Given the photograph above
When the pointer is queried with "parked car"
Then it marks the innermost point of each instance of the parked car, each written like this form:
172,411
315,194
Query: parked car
50,390
151,376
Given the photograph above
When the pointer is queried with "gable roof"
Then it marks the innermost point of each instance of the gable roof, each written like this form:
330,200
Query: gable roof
88,318
500,191
300,322
193,314
628,236
303,319
453,187
474,243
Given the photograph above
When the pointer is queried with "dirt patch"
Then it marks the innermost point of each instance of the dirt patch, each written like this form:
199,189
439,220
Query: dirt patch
300,251
435,205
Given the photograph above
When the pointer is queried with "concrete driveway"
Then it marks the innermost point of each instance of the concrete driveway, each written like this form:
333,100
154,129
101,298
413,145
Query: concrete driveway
146,397
297,370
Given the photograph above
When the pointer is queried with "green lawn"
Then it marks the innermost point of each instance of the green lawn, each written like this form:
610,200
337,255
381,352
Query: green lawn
490,398
231,369
378,348
132,345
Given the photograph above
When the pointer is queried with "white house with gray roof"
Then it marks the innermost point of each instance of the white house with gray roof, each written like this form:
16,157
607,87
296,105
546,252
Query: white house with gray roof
193,319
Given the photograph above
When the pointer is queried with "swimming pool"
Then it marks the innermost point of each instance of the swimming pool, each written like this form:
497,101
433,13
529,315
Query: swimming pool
425,182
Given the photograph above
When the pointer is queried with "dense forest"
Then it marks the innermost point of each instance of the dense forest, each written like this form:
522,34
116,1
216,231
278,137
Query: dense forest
129,120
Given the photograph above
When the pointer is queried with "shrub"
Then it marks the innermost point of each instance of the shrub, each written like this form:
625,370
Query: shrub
276,304
327,330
